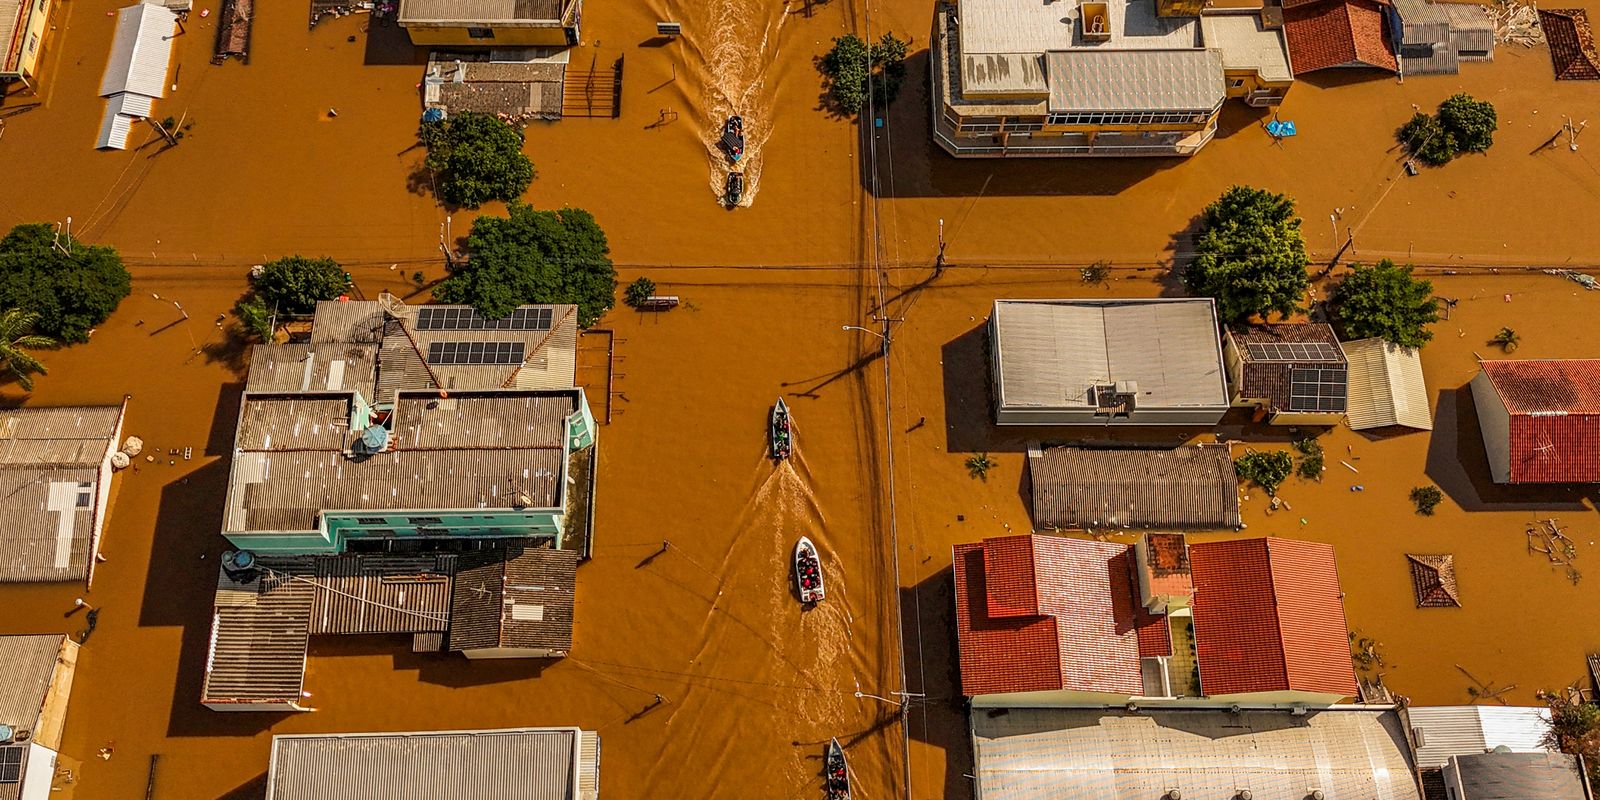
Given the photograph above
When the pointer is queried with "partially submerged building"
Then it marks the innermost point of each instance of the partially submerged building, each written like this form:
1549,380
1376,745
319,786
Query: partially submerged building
400,450
23,26
136,70
1540,419
1329,34
492,23
1047,621
1436,37
1385,386
55,473
1442,732
1292,373
1097,77
35,684
1107,362
1517,776
1183,488
521,763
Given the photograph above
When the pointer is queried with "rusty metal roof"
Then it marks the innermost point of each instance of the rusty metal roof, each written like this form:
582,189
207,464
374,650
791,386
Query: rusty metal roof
516,597
27,665
1185,488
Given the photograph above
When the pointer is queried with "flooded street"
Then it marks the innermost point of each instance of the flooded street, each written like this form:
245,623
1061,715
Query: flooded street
688,596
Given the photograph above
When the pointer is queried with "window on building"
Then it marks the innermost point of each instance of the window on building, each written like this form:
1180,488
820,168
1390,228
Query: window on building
481,33
424,520
371,521
33,42
1236,82
43,4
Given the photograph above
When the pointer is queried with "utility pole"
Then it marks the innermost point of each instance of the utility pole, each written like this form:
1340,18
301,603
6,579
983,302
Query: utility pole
938,264
444,244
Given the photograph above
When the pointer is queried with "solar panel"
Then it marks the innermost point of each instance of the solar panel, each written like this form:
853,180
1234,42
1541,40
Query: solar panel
475,353
11,764
466,319
1318,389
1291,351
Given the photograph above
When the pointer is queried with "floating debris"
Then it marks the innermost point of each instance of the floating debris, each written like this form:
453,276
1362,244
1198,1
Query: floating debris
1586,281
1546,536
1515,23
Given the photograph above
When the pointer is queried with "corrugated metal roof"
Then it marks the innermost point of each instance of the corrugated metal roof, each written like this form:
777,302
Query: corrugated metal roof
1386,386
1095,754
1521,776
510,764
141,50
114,129
12,14
1186,488
259,635
388,593
475,11
1447,731
27,663
50,463
1053,352
331,367
514,597
1135,80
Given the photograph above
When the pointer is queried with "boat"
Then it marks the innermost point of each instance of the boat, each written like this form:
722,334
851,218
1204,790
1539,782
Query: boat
807,572
732,141
838,772
780,433
735,189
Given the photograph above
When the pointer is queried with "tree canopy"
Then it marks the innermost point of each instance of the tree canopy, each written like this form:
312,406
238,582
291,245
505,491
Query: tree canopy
71,292
534,257
1574,728
478,157
294,284
851,63
1383,300
1464,124
16,338
1249,255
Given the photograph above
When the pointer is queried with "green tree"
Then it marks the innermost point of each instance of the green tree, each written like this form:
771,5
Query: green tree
1470,122
71,292
1383,300
851,63
478,157
16,338
254,316
1426,139
1426,498
1575,729
1267,470
294,284
638,292
1249,255
534,257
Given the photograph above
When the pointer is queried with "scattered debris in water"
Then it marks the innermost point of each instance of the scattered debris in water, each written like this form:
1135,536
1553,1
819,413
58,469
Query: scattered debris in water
1586,281
1547,536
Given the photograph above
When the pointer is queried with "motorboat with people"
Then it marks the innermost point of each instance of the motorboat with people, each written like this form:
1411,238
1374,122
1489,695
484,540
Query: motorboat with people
808,572
780,433
735,190
732,141
838,771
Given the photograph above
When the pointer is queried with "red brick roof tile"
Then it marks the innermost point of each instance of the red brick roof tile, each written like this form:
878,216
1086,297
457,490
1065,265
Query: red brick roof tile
1335,33
1554,435
1268,617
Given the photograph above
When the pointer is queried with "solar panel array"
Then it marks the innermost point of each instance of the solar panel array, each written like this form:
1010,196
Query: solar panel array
466,319
11,764
1321,390
1292,351
456,353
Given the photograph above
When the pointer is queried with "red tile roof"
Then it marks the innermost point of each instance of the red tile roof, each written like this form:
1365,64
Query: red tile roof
1268,617
1335,33
1554,435
1046,613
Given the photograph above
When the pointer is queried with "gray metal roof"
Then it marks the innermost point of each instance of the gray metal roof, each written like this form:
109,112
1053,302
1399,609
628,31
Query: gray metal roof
329,367
1520,776
259,635
50,476
1445,731
509,764
1186,488
141,49
479,11
27,663
1094,754
1053,352
459,452
1135,80
1386,386
1248,44
515,597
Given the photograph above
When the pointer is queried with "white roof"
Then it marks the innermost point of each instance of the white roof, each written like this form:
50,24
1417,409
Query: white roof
140,51
1447,731
1052,352
1247,44
1385,386
1031,26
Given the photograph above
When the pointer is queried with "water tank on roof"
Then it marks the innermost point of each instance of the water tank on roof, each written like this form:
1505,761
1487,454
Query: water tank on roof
375,439
7,732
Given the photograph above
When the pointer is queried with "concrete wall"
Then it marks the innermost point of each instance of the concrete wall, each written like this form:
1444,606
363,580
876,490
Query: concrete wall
552,34
1068,699
1197,416
40,773
53,716
1495,421
513,652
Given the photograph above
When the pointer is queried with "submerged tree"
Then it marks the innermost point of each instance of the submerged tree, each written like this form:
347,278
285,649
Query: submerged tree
1574,729
851,63
1383,300
478,157
1249,255
16,339
638,292
295,284
1267,470
71,286
534,257
1470,122
1425,138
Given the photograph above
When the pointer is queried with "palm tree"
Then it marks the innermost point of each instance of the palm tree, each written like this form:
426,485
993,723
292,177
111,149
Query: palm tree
1507,339
16,338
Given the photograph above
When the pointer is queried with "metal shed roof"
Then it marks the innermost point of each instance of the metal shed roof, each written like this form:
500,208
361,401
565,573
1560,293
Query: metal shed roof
141,49
1135,80
1445,731
29,664
1385,386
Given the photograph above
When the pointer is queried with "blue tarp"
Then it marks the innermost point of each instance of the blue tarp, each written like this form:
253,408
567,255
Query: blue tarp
1281,129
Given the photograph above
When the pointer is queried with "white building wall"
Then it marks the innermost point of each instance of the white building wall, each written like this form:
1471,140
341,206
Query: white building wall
40,771
1495,421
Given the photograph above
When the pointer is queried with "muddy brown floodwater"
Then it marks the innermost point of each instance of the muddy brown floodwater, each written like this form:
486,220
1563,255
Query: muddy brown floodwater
751,685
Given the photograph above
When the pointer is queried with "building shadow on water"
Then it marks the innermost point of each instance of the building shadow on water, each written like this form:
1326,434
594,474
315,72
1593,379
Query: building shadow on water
939,718
1459,464
911,164
388,44
253,789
